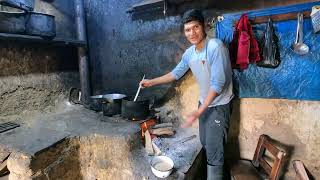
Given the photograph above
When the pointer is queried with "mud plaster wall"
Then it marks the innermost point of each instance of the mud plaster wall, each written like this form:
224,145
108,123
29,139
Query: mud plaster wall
35,76
294,125
132,48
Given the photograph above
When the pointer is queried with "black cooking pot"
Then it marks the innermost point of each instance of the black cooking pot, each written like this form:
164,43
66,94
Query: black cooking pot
111,104
39,24
96,102
26,5
135,110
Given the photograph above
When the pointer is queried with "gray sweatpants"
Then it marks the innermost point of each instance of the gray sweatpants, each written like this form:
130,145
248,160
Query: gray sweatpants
213,127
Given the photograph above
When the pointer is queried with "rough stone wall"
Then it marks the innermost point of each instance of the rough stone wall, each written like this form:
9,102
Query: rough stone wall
35,76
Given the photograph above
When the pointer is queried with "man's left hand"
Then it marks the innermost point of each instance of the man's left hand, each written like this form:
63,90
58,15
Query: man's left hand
191,118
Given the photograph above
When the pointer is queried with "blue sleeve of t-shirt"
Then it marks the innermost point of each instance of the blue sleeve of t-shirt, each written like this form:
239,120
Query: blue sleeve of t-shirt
220,68
182,67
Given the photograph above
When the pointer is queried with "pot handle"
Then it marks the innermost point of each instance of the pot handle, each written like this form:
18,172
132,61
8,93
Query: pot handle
75,95
152,102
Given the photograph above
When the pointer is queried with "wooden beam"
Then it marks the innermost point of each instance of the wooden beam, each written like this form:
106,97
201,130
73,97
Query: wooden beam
37,39
279,17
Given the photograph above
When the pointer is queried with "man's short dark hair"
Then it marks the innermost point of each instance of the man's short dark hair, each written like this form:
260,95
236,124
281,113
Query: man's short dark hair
192,15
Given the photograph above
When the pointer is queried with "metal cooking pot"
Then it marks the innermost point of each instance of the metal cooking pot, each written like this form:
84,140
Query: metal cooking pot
12,22
111,104
96,102
26,5
135,110
39,24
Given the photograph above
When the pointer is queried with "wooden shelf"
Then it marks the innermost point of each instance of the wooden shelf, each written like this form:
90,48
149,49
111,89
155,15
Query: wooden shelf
37,39
278,17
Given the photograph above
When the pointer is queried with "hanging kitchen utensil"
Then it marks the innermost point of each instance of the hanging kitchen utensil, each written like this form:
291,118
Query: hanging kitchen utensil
315,18
270,50
26,5
136,96
12,22
39,24
299,47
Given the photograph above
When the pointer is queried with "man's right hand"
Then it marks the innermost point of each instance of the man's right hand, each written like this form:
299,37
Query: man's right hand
146,83
156,81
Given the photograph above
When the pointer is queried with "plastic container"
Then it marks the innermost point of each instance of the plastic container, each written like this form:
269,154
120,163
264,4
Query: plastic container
315,18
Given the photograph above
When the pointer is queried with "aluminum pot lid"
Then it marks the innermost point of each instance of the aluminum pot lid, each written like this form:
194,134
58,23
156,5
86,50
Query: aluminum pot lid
114,96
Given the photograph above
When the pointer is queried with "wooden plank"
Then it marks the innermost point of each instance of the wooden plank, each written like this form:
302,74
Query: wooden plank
37,39
278,17
148,143
3,166
265,165
162,131
300,170
162,125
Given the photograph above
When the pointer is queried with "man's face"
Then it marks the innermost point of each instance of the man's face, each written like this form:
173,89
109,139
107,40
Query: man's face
194,32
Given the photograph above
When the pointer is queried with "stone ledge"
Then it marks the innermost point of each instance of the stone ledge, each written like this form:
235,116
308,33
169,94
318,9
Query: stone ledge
77,144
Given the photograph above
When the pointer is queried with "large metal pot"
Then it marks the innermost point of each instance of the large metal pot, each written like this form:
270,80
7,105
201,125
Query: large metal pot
39,24
111,104
135,110
96,102
12,22
26,5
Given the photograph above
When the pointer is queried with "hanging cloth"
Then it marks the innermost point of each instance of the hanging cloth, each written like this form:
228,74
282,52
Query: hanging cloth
244,47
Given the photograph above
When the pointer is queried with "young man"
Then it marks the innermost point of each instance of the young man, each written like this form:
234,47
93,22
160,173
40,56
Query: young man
209,62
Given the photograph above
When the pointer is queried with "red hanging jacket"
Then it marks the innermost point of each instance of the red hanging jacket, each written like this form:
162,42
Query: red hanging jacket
244,48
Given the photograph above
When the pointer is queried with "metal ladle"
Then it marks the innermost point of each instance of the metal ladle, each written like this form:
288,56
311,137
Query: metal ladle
299,47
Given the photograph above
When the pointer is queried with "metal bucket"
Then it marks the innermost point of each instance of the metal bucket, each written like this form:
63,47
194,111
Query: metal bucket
26,5
39,24
12,22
